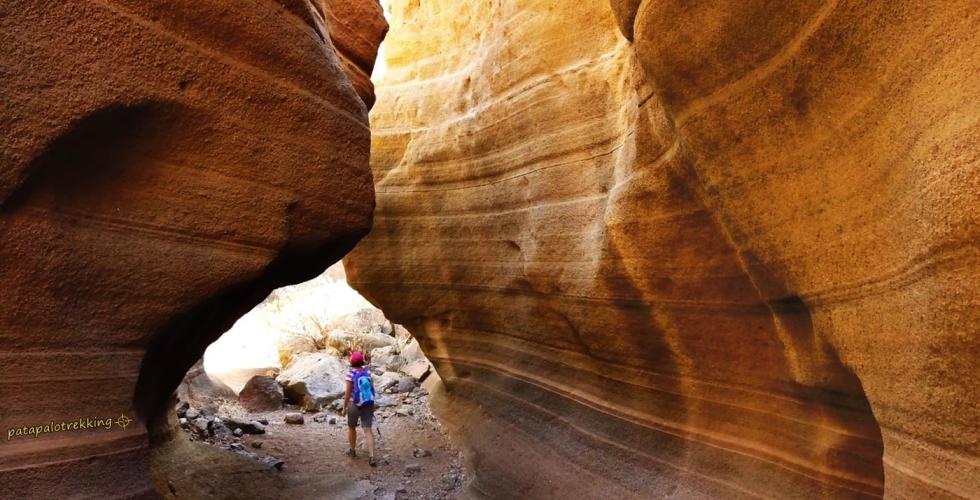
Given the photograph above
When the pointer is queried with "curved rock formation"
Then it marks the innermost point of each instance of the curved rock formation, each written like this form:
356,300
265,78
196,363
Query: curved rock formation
163,167
721,249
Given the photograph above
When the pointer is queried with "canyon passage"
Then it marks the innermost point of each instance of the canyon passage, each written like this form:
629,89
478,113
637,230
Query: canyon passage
651,248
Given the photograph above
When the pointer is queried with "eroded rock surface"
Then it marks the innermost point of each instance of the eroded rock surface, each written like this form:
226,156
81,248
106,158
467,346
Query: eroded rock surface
722,249
163,167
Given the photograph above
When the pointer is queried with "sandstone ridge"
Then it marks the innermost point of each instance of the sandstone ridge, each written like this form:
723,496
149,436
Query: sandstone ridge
164,166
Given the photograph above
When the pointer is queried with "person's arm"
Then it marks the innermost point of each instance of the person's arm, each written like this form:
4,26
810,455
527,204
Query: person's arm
347,390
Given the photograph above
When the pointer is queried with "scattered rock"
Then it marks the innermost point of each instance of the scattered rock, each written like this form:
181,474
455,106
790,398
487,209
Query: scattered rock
216,427
333,421
418,369
383,401
387,357
256,444
182,408
387,381
183,422
402,412
263,421
200,427
412,468
295,418
274,462
237,446
261,393
248,427
406,384
192,413
238,432
420,452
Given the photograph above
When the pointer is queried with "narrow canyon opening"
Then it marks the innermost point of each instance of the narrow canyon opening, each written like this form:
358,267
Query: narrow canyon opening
262,408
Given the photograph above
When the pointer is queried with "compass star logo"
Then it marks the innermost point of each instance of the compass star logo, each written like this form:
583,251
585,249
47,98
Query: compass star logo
123,421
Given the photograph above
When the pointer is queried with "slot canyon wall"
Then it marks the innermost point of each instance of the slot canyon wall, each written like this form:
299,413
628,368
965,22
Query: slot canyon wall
163,167
710,249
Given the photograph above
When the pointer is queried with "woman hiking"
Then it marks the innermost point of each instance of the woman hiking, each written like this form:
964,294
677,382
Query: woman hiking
360,391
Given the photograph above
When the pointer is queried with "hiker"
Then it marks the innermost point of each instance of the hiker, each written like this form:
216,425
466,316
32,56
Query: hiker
360,391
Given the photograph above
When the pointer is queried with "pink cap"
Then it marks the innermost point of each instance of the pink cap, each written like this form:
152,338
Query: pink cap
357,358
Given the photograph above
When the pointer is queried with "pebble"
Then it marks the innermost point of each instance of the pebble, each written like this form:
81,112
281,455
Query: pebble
419,452
275,462
256,444
192,413
413,468
294,418
238,432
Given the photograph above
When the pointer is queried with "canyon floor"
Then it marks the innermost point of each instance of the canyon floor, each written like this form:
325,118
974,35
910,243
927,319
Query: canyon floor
314,462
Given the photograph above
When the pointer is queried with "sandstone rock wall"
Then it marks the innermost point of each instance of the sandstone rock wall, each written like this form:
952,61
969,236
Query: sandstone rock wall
163,167
716,249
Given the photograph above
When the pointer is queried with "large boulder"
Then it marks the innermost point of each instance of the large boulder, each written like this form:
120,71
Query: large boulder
163,167
313,380
261,393
688,249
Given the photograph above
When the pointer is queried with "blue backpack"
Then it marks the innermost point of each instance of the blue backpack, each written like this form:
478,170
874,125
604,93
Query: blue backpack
362,389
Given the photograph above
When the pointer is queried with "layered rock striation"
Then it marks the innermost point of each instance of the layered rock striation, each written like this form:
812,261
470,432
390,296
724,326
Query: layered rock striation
707,250
163,167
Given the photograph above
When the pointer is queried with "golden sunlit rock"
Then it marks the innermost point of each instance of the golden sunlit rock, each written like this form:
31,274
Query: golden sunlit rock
719,249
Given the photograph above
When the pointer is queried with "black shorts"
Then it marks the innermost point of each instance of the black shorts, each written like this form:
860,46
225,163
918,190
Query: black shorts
364,413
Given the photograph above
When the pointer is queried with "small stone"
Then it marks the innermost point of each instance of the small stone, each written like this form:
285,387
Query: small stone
237,446
412,469
333,421
256,444
401,412
192,413
419,452
200,427
263,421
183,422
182,408
274,462
238,432
294,418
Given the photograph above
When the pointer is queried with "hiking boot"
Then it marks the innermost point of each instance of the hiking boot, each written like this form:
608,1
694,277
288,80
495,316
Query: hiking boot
372,462
351,453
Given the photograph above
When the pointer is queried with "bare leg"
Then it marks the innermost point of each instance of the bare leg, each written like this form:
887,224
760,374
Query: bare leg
352,438
369,437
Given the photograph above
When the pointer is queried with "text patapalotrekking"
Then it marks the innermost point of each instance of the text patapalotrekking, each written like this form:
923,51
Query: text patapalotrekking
66,426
